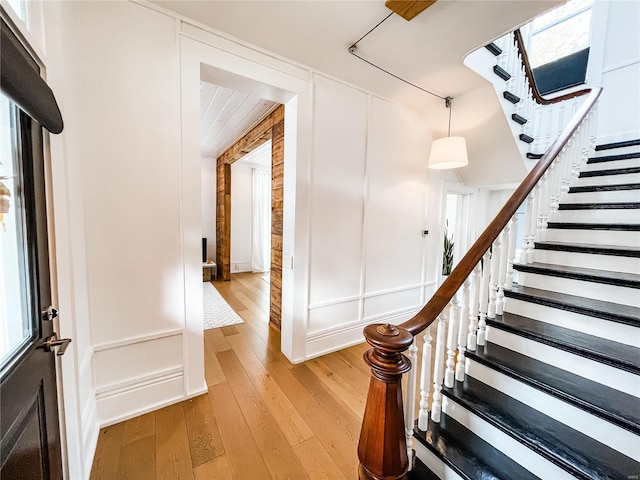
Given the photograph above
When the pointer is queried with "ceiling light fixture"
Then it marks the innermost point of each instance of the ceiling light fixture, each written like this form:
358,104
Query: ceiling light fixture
448,152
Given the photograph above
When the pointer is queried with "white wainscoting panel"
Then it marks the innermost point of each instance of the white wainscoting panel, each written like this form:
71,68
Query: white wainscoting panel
395,210
377,307
125,366
325,318
339,135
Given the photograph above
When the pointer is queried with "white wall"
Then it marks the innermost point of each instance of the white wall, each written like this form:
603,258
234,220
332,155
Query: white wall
241,222
357,197
208,195
368,209
619,112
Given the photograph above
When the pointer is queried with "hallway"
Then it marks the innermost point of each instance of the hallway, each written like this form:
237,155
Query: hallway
261,418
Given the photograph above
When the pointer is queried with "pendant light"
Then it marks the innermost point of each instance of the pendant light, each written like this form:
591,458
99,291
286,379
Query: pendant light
448,152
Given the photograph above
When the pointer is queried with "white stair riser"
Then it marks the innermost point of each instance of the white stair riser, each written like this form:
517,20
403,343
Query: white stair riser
622,215
616,332
434,464
588,260
613,164
569,286
595,427
595,237
607,196
515,450
607,180
598,372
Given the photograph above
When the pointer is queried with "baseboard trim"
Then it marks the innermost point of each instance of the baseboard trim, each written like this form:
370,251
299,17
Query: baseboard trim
138,382
90,433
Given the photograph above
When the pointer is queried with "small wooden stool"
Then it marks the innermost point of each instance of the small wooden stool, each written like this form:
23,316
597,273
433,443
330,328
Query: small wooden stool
207,268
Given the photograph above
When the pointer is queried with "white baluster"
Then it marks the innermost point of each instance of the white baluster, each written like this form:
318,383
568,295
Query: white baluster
410,400
543,206
425,381
513,238
463,330
438,368
493,280
473,308
484,298
502,267
452,336
532,203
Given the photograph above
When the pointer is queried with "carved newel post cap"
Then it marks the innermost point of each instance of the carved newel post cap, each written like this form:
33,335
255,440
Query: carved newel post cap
388,337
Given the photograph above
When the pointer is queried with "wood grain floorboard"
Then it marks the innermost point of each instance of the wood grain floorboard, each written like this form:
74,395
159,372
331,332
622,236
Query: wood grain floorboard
173,457
263,418
205,441
107,457
242,452
138,460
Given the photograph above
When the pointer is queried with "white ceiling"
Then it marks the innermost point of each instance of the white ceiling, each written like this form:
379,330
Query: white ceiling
260,156
427,51
226,115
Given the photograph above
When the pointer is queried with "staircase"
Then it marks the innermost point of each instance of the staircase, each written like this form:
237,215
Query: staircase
554,392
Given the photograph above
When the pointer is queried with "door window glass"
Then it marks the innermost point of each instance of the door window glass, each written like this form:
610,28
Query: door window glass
17,325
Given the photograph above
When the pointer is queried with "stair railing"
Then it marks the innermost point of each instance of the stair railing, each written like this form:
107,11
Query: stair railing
473,292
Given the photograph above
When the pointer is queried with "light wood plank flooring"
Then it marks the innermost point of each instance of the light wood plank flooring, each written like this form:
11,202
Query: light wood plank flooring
262,417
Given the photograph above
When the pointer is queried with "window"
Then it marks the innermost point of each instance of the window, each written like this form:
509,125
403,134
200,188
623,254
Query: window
560,32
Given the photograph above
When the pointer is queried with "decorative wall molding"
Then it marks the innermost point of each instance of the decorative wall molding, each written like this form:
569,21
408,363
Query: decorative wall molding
371,295
138,339
618,66
138,382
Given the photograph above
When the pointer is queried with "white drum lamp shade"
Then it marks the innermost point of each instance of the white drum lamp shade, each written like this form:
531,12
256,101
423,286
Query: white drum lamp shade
448,152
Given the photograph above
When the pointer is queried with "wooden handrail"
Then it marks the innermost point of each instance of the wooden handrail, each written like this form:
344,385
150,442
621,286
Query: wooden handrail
382,448
457,277
535,93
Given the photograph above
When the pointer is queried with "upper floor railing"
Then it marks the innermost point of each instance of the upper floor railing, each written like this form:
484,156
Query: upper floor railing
473,292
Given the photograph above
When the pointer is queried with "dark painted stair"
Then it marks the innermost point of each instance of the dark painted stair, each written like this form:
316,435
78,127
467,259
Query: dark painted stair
574,452
594,348
620,227
611,250
493,48
609,146
608,172
599,206
613,158
620,279
586,306
467,454
605,188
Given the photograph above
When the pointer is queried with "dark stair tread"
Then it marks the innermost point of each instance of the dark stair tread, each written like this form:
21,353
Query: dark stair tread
608,172
493,48
467,454
605,188
511,97
620,227
501,72
613,158
525,138
578,454
519,119
618,355
611,250
609,146
613,312
621,279
600,206
534,156
421,472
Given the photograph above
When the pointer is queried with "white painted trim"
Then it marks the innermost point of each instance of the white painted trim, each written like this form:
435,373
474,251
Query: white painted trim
515,450
618,137
379,293
620,65
598,372
150,407
139,339
117,388
580,420
434,464
90,433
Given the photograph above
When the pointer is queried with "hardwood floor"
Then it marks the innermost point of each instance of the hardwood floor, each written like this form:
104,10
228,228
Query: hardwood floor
262,417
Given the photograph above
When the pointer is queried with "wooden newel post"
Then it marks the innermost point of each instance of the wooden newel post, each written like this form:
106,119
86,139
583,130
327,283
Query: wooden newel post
382,449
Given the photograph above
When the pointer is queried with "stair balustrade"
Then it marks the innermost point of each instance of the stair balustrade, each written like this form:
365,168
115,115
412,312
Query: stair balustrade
474,291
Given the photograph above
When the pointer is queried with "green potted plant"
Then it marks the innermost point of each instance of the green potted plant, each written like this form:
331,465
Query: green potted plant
447,254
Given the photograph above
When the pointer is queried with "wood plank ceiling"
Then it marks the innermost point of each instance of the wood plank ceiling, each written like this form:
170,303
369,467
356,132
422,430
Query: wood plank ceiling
226,115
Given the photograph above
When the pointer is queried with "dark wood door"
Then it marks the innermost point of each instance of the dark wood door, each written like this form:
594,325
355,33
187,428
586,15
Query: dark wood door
29,429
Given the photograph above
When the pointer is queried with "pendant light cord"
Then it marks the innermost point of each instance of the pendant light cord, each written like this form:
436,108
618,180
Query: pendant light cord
353,49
